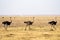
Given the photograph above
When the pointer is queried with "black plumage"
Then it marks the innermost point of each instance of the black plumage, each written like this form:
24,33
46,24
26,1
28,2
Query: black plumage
28,22
6,23
52,23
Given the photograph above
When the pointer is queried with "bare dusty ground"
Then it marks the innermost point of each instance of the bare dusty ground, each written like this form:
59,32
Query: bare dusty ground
40,30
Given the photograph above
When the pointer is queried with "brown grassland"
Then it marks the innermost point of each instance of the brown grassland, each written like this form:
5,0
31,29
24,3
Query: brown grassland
40,30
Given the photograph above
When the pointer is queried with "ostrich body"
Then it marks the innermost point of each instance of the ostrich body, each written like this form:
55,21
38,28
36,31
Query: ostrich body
6,24
53,23
28,23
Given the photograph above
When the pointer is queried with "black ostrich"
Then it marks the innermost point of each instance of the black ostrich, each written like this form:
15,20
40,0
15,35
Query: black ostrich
28,23
6,23
53,24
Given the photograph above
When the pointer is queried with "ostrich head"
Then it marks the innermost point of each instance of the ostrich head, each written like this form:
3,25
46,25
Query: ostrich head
2,17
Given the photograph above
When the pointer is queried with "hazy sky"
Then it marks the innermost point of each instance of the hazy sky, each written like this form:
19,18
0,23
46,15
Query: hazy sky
29,7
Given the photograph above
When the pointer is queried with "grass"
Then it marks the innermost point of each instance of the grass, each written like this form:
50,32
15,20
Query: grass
33,34
40,30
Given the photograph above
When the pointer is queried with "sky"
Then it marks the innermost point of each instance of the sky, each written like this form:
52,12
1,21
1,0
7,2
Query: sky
29,7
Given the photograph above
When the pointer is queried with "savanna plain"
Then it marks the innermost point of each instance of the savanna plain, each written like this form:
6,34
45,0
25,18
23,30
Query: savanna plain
40,29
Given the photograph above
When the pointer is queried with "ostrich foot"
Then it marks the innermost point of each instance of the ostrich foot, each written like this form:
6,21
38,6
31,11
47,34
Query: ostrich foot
51,30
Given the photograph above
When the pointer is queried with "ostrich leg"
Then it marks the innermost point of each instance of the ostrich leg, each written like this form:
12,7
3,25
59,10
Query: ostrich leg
51,28
29,27
54,27
26,27
6,27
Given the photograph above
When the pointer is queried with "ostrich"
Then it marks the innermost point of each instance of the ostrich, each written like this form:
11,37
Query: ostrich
28,23
6,23
53,24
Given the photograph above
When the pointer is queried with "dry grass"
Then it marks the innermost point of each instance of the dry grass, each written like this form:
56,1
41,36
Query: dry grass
40,30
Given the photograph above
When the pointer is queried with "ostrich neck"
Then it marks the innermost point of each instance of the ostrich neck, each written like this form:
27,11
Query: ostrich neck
33,19
10,20
56,21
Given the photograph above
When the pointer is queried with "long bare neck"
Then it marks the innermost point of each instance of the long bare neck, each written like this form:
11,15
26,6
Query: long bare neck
33,19
55,19
10,20
2,18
